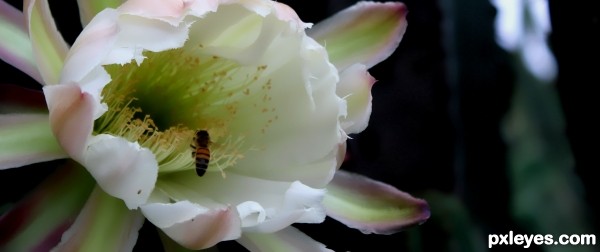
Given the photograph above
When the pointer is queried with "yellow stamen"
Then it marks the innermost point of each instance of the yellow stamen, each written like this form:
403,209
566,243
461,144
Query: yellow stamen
164,100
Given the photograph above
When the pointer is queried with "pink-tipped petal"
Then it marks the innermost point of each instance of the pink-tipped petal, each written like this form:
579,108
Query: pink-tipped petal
104,224
71,117
171,11
365,33
194,226
91,46
355,87
372,206
89,8
285,13
15,47
289,239
26,139
154,8
49,47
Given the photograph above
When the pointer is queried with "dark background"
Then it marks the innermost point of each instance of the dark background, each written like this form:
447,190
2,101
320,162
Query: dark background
439,130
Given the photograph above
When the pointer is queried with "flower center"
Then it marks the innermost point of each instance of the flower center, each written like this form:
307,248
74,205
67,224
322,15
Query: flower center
163,101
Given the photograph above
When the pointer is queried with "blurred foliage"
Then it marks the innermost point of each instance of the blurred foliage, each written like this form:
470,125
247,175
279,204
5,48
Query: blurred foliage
547,194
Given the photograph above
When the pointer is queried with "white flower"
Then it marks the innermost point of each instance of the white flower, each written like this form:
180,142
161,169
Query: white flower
142,78
126,100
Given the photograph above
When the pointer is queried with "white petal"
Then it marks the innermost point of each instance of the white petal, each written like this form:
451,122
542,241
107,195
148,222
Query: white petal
82,65
355,87
136,33
27,139
171,11
289,239
251,213
91,46
114,38
314,174
283,203
89,8
123,169
192,225
288,14
298,124
301,204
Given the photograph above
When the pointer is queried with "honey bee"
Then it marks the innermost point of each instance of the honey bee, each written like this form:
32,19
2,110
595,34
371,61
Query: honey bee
201,151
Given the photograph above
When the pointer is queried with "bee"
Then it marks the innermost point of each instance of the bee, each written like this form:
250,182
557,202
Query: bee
201,151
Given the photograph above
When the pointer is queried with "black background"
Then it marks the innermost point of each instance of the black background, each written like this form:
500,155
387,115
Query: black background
429,132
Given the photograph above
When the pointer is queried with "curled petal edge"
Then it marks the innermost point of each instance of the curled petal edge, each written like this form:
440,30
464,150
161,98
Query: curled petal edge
123,169
194,226
355,87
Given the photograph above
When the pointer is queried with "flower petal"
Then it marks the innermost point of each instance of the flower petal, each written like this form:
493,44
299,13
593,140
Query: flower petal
89,8
268,207
355,87
192,225
122,169
341,155
37,221
312,144
16,99
366,33
314,174
70,117
171,11
291,63
91,46
49,47
289,239
301,204
114,38
15,47
27,139
371,206
104,224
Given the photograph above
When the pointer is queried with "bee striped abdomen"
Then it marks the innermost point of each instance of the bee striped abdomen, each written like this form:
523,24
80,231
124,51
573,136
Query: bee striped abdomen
202,152
202,159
